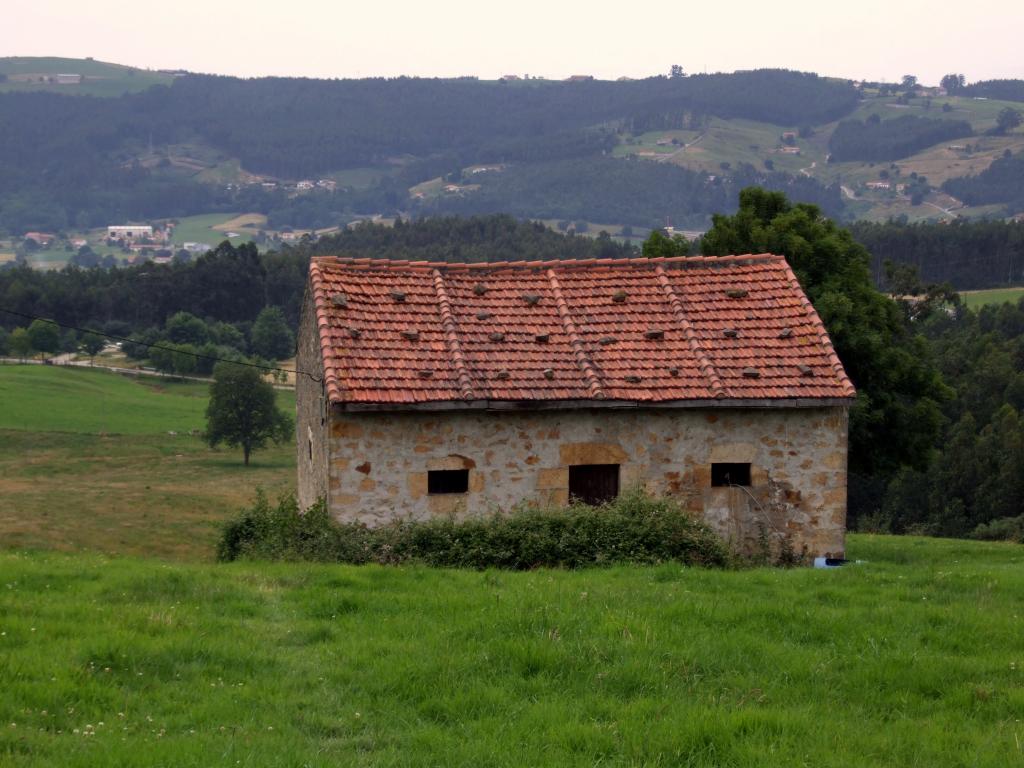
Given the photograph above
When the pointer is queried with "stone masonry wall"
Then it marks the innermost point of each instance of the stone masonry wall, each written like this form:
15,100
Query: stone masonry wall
311,412
378,465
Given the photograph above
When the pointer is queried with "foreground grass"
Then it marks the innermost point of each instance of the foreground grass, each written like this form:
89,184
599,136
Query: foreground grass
911,659
87,462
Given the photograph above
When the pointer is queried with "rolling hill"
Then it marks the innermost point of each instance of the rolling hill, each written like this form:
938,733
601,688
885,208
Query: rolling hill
96,78
313,154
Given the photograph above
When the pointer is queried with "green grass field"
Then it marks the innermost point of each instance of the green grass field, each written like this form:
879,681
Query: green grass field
994,296
99,78
913,658
87,463
200,229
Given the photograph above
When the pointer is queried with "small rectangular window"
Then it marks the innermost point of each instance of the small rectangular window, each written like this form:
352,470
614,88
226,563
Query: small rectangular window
447,481
593,484
727,474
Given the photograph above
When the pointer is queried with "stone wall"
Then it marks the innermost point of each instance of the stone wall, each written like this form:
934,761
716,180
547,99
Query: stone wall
378,464
310,411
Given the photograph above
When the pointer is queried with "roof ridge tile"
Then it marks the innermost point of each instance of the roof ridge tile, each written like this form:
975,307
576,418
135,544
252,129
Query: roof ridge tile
575,341
703,361
451,337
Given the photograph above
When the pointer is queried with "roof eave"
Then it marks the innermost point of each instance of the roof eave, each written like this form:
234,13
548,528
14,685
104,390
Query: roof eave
552,405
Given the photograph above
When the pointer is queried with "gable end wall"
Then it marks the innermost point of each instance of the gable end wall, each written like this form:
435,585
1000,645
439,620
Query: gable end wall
310,411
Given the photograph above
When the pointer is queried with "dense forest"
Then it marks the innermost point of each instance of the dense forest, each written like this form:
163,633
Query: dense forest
875,140
626,191
937,439
973,481
1001,182
351,123
966,254
1006,90
73,161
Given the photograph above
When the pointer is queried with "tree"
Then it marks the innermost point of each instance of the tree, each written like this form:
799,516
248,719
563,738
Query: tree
92,343
271,337
1008,119
659,244
20,343
44,335
676,72
953,83
909,82
896,417
186,328
242,410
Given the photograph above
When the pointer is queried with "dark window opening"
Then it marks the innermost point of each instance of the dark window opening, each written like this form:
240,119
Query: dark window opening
593,483
310,449
730,474
447,481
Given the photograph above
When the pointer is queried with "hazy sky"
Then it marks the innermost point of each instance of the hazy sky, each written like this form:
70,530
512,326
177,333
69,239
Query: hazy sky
874,39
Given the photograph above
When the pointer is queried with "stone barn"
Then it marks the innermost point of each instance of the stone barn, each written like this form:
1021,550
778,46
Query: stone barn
461,389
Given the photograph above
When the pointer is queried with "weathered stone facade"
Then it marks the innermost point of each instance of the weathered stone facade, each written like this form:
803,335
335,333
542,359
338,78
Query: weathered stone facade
378,464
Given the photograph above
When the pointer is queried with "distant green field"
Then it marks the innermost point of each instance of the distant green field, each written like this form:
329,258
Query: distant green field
99,78
994,296
910,659
199,229
87,461
51,398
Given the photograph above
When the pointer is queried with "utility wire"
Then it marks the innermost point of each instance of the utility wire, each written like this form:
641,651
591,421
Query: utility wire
197,355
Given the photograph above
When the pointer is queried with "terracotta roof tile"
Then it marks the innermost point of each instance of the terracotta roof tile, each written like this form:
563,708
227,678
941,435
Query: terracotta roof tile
632,330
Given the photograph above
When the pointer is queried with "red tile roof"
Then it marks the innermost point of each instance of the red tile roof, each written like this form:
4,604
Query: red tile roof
679,331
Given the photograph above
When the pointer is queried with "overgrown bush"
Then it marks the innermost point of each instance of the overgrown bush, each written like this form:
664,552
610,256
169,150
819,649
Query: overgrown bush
632,529
1003,529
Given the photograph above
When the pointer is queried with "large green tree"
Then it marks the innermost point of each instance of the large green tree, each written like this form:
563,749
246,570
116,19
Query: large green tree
896,417
243,411
45,336
271,337
20,343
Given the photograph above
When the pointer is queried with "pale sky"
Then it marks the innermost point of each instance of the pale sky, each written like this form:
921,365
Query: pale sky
869,39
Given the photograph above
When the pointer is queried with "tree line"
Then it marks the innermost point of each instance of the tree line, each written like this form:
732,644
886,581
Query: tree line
986,253
623,191
875,140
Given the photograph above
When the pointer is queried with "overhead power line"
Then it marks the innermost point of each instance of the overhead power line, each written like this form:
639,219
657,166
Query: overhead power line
150,345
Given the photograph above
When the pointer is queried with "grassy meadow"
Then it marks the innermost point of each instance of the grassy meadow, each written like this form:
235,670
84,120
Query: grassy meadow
88,462
204,229
977,299
912,658
120,646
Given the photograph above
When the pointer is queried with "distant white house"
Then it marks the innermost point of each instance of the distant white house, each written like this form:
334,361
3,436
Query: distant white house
305,184
67,79
129,231
197,247
878,185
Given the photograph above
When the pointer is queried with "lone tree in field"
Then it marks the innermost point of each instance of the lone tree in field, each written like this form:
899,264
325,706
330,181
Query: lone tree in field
242,410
